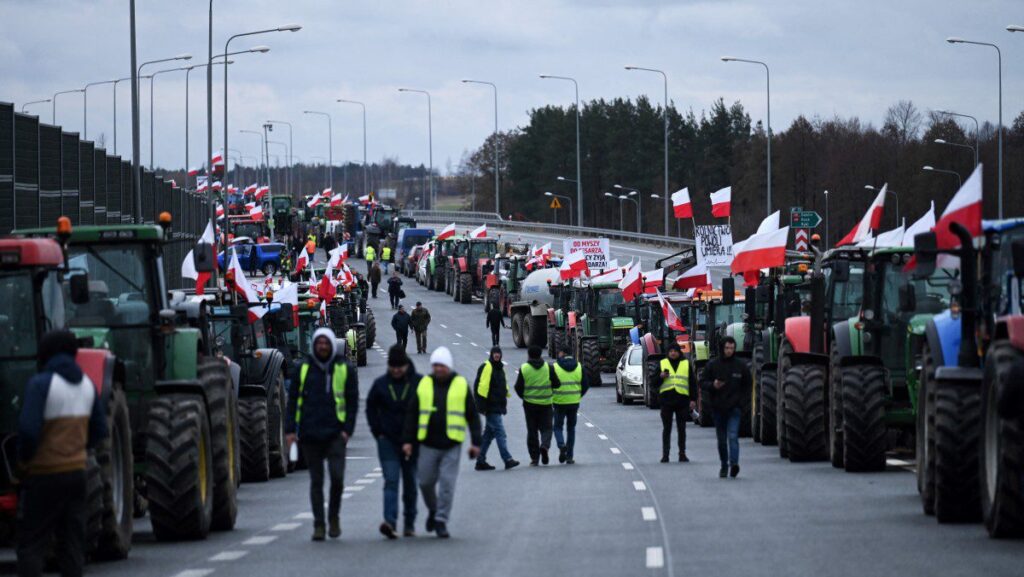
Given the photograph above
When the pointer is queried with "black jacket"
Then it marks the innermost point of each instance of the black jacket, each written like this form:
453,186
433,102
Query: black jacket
437,427
496,401
736,375
387,403
670,398
394,285
495,320
536,363
400,322
319,419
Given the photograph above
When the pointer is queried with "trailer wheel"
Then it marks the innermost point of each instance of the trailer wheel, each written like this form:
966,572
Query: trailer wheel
1002,454
957,468
517,330
537,328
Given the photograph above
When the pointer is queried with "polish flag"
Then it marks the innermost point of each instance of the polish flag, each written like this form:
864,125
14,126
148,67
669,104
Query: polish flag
194,171
325,290
888,239
770,223
964,208
327,192
261,192
611,273
671,318
232,189
574,265
479,232
173,184
344,201
336,200
250,189
301,262
202,184
244,288
923,224
188,269
871,220
448,232
631,283
762,250
218,159
365,199
313,201
256,213
696,277
250,205
721,202
653,280
220,211
681,206
334,257
217,186
343,251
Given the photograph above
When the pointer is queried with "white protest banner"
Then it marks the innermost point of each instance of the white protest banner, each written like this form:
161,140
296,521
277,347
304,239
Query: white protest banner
714,244
596,250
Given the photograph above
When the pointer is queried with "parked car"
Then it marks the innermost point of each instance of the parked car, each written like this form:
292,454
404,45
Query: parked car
422,265
629,378
265,258
408,265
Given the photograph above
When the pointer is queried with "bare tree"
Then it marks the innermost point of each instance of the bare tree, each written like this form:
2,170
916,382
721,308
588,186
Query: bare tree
902,121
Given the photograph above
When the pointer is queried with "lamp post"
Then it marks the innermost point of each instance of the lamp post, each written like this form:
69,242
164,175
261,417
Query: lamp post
957,144
366,174
637,203
430,142
27,104
330,145
85,105
290,149
827,239
665,115
568,198
137,127
959,180
892,192
638,200
768,114
999,54
579,176
679,222
152,77
497,179
115,107
610,195
53,116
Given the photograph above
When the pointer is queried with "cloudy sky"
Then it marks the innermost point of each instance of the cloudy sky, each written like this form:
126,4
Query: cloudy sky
828,57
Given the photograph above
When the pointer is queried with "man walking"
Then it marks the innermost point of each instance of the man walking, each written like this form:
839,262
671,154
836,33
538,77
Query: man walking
374,278
673,383
724,381
438,417
385,256
566,403
492,401
370,254
420,320
61,418
495,322
400,322
534,385
395,289
322,407
386,407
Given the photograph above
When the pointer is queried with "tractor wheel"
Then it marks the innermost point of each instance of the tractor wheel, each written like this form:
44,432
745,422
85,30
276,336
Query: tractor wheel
746,397
221,408
517,330
1002,442
591,362
371,328
768,389
179,468
465,293
255,453
361,346
925,437
780,399
431,284
957,468
651,397
449,284
756,360
275,429
804,390
864,429
835,408
114,457
537,331
93,509
439,285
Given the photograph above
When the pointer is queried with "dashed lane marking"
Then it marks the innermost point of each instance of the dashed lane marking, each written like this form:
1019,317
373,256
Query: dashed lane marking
286,526
444,326
364,481
614,450
377,469
474,344
655,557
346,495
194,573
260,540
356,458
229,556
628,466
303,516
603,437
589,424
354,488
639,485
374,475
648,513
458,335
456,344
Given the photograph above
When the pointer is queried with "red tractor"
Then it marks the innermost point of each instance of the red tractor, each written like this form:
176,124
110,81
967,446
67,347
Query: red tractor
469,264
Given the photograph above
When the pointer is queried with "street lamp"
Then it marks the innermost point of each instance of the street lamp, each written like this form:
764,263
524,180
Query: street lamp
53,117
959,180
27,104
999,54
85,105
136,126
568,198
826,220
892,192
639,204
665,115
768,85
579,176
967,146
977,130
610,195
366,176
291,148
152,77
330,145
497,189
430,142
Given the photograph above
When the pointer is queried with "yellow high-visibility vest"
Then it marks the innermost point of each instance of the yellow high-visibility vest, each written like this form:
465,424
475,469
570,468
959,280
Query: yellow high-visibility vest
570,388
678,379
455,408
338,379
536,384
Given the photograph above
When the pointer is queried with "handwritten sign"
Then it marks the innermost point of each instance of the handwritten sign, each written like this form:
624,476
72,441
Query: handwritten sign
596,250
714,243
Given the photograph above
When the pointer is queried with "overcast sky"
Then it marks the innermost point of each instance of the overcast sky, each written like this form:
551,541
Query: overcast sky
828,57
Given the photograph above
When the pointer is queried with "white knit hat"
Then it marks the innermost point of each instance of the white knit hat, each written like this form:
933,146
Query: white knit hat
442,356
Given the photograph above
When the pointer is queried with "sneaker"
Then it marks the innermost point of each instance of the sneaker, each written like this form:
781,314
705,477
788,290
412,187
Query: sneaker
544,456
335,528
388,531
511,464
442,530
484,466
570,461
409,531
431,523
683,458
664,458
723,472
562,455
319,532
734,470
533,462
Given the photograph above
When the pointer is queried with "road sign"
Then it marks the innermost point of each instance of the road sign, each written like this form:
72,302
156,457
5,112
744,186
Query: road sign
799,218
555,203
802,238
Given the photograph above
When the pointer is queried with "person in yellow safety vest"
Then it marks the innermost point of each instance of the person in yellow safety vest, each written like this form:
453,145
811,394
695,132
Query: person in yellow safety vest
534,385
322,406
492,393
673,383
370,254
385,256
572,385
437,421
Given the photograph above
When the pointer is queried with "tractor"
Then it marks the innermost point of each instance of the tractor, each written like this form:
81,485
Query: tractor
437,264
381,222
468,266
659,336
598,325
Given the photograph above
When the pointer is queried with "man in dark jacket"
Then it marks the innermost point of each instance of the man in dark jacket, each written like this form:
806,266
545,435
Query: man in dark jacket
673,384
725,380
438,417
535,386
323,401
572,385
495,322
61,418
400,322
386,406
419,320
374,278
395,289
491,390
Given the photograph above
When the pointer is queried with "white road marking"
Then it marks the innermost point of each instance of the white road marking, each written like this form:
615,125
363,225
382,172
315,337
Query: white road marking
364,481
627,466
603,437
655,558
899,463
456,344
614,450
286,526
648,514
356,458
589,424
458,335
377,469
444,326
374,475
303,516
260,540
474,344
229,556
639,486
194,573
346,495
354,488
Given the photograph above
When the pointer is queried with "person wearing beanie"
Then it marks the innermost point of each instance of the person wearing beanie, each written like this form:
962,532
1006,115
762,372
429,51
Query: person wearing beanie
535,386
61,418
436,422
322,406
572,385
673,384
492,393
386,407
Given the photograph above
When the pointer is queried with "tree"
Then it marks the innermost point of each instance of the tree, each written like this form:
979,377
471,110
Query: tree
902,122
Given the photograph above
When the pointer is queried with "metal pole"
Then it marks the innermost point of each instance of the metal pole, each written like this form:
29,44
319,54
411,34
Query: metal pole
136,173
768,84
826,220
212,203
289,155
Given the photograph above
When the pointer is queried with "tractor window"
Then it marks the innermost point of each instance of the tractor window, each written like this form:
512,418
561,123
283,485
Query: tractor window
847,296
282,203
120,286
608,301
479,250
729,314
18,331
1009,301
460,249
53,302
250,229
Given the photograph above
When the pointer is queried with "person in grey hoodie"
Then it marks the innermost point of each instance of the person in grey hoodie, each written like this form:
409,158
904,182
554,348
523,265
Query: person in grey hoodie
571,386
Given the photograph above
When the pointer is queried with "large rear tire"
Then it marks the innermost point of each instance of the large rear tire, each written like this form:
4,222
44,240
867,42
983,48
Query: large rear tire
804,391
746,412
221,406
957,436
835,408
465,294
361,346
114,457
756,360
768,389
517,330
255,453
780,399
864,429
651,397
371,327
1002,446
591,362
538,331
275,430
926,432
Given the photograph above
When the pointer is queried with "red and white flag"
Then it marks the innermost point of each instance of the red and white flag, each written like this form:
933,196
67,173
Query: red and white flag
218,159
217,186
220,211
261,192
194,171
762,250
923,224
681,206
448,232
289,294
479,232
327,192
365,199
250,189
671,318
334,257
173,184
250,205
631,283
301,261
336,200
343,252
871,220
256,212
244,288
188,269
315,200
202,184
696,277
964,208
721,202
232,189
653,280
574,265
612,273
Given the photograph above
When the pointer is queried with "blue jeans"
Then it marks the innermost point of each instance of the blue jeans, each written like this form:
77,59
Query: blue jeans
494,430
566,414
396,467
385,264
728,423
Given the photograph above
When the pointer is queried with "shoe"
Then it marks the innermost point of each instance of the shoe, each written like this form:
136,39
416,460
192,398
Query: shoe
442,530
388,531
570,461
561,455
431,523
683,458
409,532
734,470
484,466
335,528
533,462
664,458
723,472
544,456
511,464
319,532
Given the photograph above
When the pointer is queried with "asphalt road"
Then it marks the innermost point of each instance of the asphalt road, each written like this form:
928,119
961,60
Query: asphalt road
617,512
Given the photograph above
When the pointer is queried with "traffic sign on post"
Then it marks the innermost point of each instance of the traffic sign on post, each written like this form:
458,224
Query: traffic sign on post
799,218
554,203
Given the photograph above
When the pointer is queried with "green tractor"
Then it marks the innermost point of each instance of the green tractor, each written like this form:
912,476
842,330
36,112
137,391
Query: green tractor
598,325
181,400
